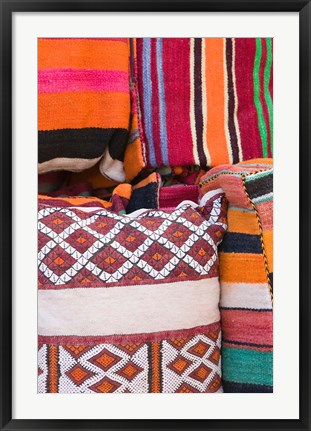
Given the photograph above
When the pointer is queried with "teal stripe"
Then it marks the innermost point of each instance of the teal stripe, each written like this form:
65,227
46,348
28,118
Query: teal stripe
268,98
247,366
265,198
261,120
255,177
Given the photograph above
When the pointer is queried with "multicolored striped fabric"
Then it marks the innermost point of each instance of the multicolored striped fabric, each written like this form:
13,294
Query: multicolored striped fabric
84,104
205,101
246,275
135,153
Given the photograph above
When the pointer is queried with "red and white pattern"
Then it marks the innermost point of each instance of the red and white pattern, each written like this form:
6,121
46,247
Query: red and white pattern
192,366
81,247
186,364
129,303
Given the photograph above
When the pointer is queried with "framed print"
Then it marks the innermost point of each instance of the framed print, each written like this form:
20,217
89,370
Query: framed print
155,215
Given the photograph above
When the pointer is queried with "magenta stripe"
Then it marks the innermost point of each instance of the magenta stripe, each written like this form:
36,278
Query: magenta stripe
62,80
112,39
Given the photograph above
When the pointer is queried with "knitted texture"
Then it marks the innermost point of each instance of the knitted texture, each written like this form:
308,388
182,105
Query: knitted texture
246,275
129,303
135,153
205,101
84,104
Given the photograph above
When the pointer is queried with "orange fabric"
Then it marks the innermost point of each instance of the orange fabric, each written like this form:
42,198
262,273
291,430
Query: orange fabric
242,222
214,71
133,160
268,243
242,268
123,190
83,109
83,54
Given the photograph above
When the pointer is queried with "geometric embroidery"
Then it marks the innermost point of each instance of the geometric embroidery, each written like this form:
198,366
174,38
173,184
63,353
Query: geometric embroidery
189,368
99,247
187,365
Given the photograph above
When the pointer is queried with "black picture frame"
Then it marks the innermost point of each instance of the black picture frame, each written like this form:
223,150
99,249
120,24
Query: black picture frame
7,10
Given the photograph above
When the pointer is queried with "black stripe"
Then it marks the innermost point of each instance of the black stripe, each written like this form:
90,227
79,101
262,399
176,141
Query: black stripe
245,387
88,143
260,186
259,310
144,197
117,145
231,103
234,242
198,99
268,346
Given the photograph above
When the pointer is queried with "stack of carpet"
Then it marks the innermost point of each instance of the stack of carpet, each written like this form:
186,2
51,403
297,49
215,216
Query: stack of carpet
155,217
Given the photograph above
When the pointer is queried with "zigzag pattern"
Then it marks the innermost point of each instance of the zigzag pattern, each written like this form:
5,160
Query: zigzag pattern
111,247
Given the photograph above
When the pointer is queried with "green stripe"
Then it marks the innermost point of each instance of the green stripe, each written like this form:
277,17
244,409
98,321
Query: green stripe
262,199
261,121
255,177
268,99
247,366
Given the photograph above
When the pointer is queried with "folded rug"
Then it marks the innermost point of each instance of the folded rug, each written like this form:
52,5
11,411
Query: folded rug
129,303
246,269
205,101
84,104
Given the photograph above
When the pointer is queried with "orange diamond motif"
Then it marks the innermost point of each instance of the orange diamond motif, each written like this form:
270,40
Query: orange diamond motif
110,259
157,256
201,373
130,371
59,261
105,359
215,356
199,349
81,240
202,252
179,365
178,234
58,221
78,374
106,385
130,238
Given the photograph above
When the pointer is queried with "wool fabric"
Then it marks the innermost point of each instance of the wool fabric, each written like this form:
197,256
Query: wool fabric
205,101
84,104
246,275
129,303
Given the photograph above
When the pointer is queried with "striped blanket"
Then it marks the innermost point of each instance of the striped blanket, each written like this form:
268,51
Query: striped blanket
246,270
84,104
205,101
